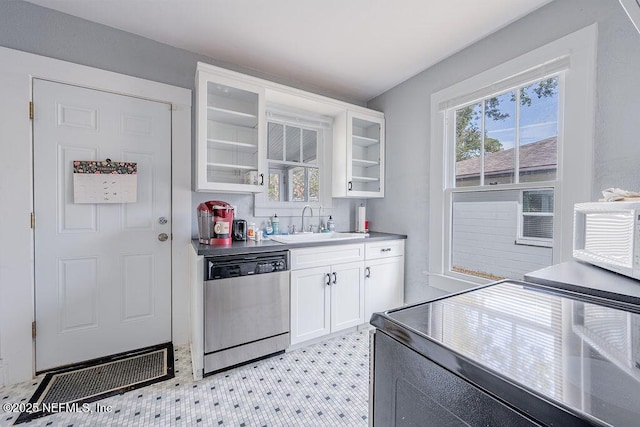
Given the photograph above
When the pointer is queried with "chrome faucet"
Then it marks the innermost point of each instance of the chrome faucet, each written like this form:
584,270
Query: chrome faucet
303,211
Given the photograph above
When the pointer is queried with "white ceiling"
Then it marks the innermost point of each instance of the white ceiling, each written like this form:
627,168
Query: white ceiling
356,48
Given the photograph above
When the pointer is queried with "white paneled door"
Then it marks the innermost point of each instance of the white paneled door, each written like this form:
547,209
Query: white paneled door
102,271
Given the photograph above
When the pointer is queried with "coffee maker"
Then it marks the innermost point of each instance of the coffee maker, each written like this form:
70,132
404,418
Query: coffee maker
215,220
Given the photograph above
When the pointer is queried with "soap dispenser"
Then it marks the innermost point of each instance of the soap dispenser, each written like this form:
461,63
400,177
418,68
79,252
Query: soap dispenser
331,226
275,224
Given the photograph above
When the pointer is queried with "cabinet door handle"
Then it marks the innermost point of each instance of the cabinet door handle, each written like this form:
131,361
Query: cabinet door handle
350,186
385,250
328,282
335,278
367,272
261,179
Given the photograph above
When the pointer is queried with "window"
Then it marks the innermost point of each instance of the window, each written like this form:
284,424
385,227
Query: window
504,141
292,153
298,164
508,138
536,221
511,153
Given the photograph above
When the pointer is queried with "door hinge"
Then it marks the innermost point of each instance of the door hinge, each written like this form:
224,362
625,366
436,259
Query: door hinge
32,219
33,329
31,110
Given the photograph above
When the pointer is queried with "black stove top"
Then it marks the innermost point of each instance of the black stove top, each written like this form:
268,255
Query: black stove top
580,352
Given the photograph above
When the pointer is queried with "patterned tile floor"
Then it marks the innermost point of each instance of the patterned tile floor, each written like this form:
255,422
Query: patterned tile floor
324,384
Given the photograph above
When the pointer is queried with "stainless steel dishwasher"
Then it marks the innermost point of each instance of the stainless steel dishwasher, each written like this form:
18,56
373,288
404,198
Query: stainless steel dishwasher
246,308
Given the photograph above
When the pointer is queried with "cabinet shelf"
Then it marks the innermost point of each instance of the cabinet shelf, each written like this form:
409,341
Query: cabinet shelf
230,166
240,146
233,117
364,141
364,163
364,179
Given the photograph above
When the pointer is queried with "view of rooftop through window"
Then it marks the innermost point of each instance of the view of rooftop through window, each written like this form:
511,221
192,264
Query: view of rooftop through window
508,138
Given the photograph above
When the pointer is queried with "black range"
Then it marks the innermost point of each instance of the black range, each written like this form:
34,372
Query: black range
509,353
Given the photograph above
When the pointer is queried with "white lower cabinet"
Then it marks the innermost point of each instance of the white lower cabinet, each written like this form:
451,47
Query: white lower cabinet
310,304
384,277
347,296
326,298
384,283
339,287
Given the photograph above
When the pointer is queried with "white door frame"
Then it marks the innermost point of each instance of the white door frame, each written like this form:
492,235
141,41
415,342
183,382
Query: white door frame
17,356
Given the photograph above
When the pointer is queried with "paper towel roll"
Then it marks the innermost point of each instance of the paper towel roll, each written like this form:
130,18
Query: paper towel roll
361,216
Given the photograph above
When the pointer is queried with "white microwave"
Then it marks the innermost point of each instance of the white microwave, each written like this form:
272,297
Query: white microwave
607,234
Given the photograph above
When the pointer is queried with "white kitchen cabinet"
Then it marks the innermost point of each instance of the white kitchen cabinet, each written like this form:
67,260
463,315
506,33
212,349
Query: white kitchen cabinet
384,276
231,136
230,129
326,297
347,295
358,155
310,303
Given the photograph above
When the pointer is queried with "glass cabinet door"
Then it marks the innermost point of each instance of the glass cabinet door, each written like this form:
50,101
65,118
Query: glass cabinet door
366,165
230,135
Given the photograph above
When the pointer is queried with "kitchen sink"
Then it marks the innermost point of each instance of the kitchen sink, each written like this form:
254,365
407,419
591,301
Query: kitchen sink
316,237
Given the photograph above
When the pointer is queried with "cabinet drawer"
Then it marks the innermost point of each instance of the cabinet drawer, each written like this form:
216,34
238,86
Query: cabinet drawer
325,255
384,249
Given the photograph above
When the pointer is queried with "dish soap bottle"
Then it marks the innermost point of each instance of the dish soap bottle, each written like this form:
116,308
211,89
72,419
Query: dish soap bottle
331,226
275,224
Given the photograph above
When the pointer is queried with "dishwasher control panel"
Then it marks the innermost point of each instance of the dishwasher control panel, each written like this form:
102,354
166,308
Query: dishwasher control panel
271,266
224,267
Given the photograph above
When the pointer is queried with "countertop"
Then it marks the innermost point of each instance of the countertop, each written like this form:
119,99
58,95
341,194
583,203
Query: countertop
557,356
581,277
269,245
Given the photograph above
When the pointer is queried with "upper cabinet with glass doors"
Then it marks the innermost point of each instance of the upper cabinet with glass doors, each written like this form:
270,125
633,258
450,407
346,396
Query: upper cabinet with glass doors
358,155
230,132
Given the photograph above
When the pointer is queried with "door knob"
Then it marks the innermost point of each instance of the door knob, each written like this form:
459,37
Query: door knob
163,237
162,220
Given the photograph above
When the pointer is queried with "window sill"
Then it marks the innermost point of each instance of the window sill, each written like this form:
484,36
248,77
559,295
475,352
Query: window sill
454,282
531,242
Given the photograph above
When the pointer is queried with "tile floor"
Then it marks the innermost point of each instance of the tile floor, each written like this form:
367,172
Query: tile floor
324,384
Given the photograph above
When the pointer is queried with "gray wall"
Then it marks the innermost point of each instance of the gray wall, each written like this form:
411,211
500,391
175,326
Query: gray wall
31,28
407,110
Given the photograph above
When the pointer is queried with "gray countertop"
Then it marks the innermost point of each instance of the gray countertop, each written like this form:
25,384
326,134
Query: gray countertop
269,245
585,278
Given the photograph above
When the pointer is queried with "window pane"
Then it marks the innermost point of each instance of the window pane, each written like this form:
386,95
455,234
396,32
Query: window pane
314,184
539,131
293,143
537,201
297,184
274,186
499,139
309,146
540,227
484,232
275,141
468,145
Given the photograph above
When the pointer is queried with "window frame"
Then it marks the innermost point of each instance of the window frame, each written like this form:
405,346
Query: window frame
450,160
263,207
574,52
527,240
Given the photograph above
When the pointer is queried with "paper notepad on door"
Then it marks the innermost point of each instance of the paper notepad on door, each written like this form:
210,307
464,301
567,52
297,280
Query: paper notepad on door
105,182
